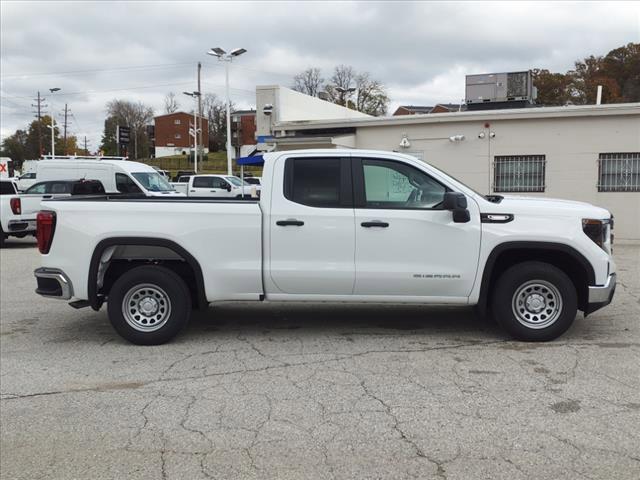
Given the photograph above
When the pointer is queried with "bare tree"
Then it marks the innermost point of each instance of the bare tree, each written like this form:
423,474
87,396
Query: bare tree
309,82
371,95
171,104
215,111
135,116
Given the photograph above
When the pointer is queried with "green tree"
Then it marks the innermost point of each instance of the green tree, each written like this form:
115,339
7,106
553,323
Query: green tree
108,144
15,147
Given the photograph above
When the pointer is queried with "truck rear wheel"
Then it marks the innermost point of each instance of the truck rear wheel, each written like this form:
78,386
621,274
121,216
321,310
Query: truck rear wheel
149,305
534,301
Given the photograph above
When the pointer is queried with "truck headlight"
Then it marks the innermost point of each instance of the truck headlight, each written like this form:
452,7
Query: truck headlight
599,230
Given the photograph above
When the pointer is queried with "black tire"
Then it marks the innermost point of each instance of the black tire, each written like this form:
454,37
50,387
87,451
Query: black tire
151,284
543,296
2,237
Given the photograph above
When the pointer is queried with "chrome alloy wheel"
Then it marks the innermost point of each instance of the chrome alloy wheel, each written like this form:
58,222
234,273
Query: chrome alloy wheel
146,307
537,304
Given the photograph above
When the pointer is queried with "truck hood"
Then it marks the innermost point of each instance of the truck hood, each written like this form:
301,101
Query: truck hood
546,206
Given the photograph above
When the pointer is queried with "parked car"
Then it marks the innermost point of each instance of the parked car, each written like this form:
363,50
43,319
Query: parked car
26,180
331,226
253,180
164,173
181,184
183,173
117,176
13,223
33,197
219,186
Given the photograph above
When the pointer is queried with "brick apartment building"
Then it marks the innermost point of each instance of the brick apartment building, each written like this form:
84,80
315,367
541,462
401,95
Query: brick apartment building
243,132
172,134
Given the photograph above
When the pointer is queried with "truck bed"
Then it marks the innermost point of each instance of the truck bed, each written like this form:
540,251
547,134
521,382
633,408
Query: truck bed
224,235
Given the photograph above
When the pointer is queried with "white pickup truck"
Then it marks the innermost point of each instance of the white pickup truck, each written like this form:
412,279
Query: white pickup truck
218,186
330,226
13,221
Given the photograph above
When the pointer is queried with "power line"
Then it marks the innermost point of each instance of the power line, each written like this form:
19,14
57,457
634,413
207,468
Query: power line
111,90
115,69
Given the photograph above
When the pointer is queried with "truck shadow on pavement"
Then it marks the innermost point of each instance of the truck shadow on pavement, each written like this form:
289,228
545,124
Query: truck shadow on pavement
322,319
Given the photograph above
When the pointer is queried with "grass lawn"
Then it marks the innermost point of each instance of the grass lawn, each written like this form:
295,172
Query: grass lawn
216,162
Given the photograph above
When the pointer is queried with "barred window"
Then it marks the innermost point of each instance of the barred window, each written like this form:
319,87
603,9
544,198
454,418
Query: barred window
176,121
619,172
519,173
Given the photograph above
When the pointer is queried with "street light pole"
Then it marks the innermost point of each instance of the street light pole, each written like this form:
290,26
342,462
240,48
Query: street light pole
194,133
228,58
52,126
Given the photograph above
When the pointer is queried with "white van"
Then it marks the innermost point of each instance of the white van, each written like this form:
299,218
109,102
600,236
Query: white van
117,176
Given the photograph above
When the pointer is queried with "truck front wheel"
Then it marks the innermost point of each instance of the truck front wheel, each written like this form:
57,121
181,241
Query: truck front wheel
149,305
534,301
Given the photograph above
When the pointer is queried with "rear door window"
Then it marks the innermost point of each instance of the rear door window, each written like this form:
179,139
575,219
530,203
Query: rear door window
7,188
203,182
58,187
318,182
38,188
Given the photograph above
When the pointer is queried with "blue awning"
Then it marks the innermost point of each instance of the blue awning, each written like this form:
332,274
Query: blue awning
255,160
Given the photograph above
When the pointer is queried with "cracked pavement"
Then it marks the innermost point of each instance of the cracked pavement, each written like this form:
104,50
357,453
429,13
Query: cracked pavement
315,391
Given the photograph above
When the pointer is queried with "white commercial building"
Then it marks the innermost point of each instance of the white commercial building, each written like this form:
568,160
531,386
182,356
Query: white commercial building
589,153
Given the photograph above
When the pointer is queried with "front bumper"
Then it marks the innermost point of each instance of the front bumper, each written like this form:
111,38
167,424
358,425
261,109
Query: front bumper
601,296
21,226
53,283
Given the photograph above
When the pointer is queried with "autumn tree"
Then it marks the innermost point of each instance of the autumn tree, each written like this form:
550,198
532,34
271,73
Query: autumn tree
15,147
618,73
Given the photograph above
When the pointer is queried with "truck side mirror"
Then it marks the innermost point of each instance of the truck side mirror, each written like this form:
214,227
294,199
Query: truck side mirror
457,203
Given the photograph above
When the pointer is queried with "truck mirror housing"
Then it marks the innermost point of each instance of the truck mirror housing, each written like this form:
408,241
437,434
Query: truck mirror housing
457,203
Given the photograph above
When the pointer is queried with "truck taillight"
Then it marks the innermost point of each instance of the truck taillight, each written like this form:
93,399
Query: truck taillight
16,206
45,228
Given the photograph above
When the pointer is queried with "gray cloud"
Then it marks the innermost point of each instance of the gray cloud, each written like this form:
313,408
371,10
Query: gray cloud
421,51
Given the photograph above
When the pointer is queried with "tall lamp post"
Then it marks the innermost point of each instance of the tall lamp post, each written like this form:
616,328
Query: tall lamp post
52,127
228,58
194,131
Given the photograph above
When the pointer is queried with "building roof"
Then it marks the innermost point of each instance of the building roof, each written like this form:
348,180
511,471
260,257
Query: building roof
178,113
243,112
415,108
464,116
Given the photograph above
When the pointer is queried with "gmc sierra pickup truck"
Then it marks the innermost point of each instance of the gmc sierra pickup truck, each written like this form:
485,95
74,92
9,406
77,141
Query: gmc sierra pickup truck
330,226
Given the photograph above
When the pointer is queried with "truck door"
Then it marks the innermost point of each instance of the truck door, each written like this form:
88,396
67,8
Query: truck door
406,245
208,187
311,227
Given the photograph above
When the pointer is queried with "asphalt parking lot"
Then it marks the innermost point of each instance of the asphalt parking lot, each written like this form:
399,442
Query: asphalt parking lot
257,391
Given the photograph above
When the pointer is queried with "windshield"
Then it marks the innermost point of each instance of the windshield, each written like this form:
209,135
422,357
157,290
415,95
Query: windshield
154,182
236,181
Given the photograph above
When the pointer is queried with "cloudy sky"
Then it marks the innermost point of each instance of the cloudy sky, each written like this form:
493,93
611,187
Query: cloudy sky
98,51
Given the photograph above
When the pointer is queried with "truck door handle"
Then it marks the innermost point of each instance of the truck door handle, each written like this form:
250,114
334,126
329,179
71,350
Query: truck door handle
292,222
375,223
212,191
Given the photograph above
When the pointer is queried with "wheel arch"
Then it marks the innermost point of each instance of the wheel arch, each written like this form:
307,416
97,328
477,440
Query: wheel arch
163,250
565,257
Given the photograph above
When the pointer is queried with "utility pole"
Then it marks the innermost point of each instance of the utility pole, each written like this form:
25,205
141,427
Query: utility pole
86,151
39,106
66,110
199,133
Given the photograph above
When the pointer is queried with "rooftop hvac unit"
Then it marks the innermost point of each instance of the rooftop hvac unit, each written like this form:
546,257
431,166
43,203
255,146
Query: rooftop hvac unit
499,90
